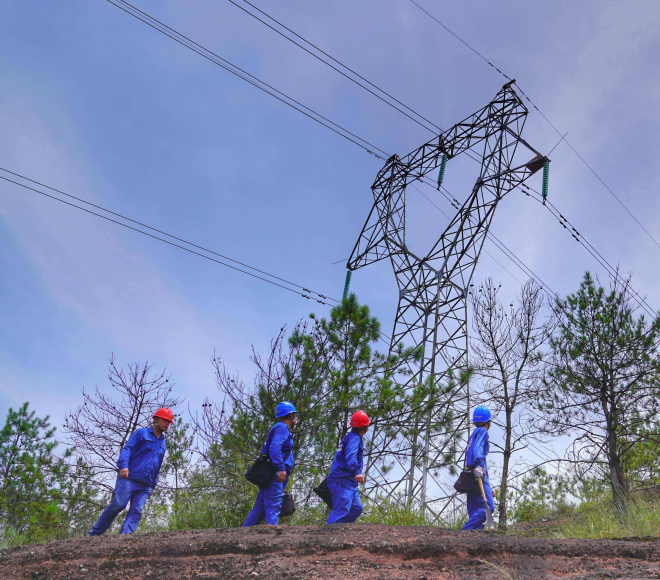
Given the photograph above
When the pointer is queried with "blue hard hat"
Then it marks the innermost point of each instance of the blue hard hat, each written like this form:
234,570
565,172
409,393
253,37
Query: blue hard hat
481,415
284,408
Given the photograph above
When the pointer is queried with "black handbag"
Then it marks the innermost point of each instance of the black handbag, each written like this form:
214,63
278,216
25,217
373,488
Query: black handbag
467,482
288,506
261,472
323,491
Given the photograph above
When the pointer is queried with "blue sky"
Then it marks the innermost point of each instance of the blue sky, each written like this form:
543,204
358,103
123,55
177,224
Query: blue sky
96,104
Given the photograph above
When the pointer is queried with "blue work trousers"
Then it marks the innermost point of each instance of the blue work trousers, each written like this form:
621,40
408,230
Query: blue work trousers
126,490
268,504
475,507
346,505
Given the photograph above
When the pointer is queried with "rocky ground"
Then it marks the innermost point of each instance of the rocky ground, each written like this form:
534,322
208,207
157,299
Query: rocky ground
364,551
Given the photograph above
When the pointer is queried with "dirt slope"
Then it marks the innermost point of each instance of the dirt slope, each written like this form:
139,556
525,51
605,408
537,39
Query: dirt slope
364,551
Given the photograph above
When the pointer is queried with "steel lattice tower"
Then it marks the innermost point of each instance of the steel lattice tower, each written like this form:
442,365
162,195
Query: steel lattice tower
433,289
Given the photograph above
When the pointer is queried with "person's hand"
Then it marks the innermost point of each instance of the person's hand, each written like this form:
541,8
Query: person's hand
281,476
359,478
123,473
479,472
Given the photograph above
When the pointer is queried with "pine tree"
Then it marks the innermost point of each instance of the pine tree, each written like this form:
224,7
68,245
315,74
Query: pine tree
603,381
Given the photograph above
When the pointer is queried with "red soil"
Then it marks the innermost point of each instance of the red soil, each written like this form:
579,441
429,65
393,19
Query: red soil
363,551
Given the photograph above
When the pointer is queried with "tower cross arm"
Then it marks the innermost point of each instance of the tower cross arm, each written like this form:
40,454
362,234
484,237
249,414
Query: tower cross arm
506,106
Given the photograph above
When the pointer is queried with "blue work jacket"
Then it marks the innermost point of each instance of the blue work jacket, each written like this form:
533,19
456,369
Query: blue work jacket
348,460
477,448
279,447
143,455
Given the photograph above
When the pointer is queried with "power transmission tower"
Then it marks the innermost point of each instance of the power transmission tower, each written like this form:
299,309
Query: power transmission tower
433,291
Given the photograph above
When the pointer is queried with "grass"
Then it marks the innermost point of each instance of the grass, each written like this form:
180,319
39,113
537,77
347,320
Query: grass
385,512
311,515
600,520
502,570
389,513
394,514
597,520
639,519
400,512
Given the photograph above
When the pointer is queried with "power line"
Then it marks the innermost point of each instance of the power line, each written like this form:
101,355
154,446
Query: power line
591,169
209,55
608,188
378,96
247,77
580,239
334,67
225,64
498,244
461,40
375,86
641,302
317,294
611,270
382,337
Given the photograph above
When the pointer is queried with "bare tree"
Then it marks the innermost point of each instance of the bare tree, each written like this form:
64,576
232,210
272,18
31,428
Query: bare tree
507,355
101,426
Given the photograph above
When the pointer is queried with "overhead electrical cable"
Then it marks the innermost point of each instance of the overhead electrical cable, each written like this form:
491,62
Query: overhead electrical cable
341,72
613,272
591,169
607,187
641,302
211,56
562,137
461,40
244,75
301,292
496,242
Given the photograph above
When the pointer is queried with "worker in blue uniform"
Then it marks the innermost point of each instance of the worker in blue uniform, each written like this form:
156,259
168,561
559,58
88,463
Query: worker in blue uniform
346,473
139,465
475,457
279,447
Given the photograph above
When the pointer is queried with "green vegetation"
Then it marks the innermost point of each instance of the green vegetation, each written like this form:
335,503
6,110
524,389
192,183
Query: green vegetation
638,519
598,520
599,385
603,381
328,368
394,514
540,495
42,496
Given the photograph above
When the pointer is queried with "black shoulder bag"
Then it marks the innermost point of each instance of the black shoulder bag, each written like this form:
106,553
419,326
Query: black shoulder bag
261,472
323,491
288,505
467,482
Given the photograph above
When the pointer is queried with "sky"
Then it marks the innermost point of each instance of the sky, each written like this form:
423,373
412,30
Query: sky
95,103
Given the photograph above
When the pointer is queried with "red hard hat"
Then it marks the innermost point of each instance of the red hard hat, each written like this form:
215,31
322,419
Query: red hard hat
164,413
360,419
